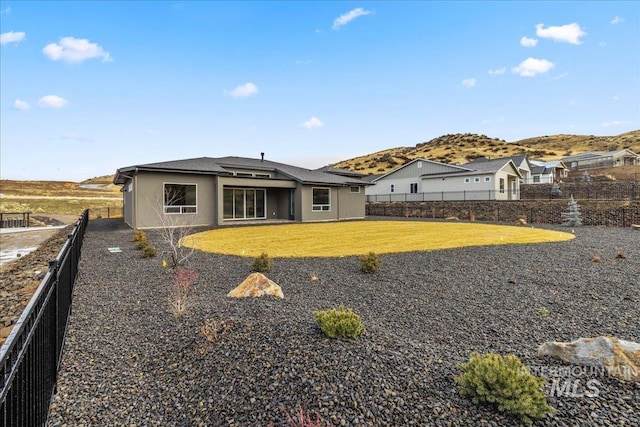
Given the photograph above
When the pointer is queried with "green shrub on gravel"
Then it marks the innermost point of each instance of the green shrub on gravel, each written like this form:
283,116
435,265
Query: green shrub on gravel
370,262
504,381
141,244
139,236
149,252
340,323
262,263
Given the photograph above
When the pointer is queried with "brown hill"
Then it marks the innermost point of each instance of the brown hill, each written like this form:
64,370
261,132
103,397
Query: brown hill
461,148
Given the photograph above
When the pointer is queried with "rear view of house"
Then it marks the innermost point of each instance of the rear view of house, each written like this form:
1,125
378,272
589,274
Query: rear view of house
231,190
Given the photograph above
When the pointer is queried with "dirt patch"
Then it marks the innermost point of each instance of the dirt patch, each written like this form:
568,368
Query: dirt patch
21,277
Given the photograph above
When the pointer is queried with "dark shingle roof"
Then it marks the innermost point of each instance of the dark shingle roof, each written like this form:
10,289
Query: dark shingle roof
221,165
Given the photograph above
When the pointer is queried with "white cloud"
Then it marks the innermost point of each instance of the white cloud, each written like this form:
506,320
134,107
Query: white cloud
527,42
532,66
348,17
52,101
469,82
569,33
617,20
244,90
497,71
19,104
312,123
12,37
616,123
75,137
75,50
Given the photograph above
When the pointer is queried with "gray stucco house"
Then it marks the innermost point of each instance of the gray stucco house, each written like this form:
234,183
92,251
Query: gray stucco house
221,191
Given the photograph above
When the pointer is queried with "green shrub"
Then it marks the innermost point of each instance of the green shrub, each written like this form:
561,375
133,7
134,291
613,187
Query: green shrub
141,244
139,236
262,264
504,381
340,323
370,262
149,252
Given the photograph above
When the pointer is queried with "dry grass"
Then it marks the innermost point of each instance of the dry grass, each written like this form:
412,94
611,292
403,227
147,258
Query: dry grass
57,197
360,237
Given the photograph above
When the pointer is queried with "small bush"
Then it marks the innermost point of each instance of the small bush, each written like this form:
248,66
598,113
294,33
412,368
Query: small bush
149,252
213,330
262,263
340,323
504,381
369,263
303,419
141,244
544,311
620,255
139,236
179,292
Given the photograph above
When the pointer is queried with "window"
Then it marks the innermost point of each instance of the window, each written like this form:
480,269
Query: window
476,179
263,175
355,189
244,203
180,198
419,164
536,179
321,199
393,188
244,174
502,185
487,179
467,180
414,187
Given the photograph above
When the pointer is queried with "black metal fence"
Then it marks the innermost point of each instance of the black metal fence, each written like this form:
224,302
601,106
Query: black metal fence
446,196
607,193
14,219
31,355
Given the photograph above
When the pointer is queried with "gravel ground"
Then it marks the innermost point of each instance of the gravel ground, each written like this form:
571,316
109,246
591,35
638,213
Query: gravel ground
127,362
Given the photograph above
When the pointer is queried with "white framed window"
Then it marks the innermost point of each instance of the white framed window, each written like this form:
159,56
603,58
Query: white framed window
467,180
321,199
392,188
476,179
536,179
419,164
487,179
180,198
502,185
413,187
263,175
355,189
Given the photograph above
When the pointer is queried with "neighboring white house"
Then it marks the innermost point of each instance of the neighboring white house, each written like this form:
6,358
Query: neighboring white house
594,160
547,172
521,161
426,180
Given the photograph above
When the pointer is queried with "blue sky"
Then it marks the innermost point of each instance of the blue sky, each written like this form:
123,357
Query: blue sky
87,87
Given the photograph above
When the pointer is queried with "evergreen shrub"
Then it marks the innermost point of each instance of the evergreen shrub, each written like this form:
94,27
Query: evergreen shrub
370,262
505,382
262,263
339,323
149,251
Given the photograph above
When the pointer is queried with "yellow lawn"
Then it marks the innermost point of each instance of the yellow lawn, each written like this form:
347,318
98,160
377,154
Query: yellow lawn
336,239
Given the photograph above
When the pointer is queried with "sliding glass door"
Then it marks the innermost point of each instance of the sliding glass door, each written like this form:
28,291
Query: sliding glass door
244,203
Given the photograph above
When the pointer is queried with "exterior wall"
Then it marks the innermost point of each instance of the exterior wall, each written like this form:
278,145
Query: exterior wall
306,202
127,204
350,205
405,175
148,200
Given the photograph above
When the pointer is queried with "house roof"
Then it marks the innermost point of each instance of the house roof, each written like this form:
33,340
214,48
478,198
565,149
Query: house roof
226,165
454,168
479,168
343,172
517,160
592,155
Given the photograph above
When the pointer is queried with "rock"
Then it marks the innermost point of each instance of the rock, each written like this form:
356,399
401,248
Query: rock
521,221
620,358
256,285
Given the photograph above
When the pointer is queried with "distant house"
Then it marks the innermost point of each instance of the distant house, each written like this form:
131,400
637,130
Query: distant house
233,190
599,160
548,172
521,161
426,180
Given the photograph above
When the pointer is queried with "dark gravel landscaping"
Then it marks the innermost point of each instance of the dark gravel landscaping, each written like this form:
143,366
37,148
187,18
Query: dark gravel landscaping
127,362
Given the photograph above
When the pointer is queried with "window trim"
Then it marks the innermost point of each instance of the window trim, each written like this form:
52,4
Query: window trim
167,208
233,201
392,188
476,179
354,187
467,180
487,179
413,186
320,207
